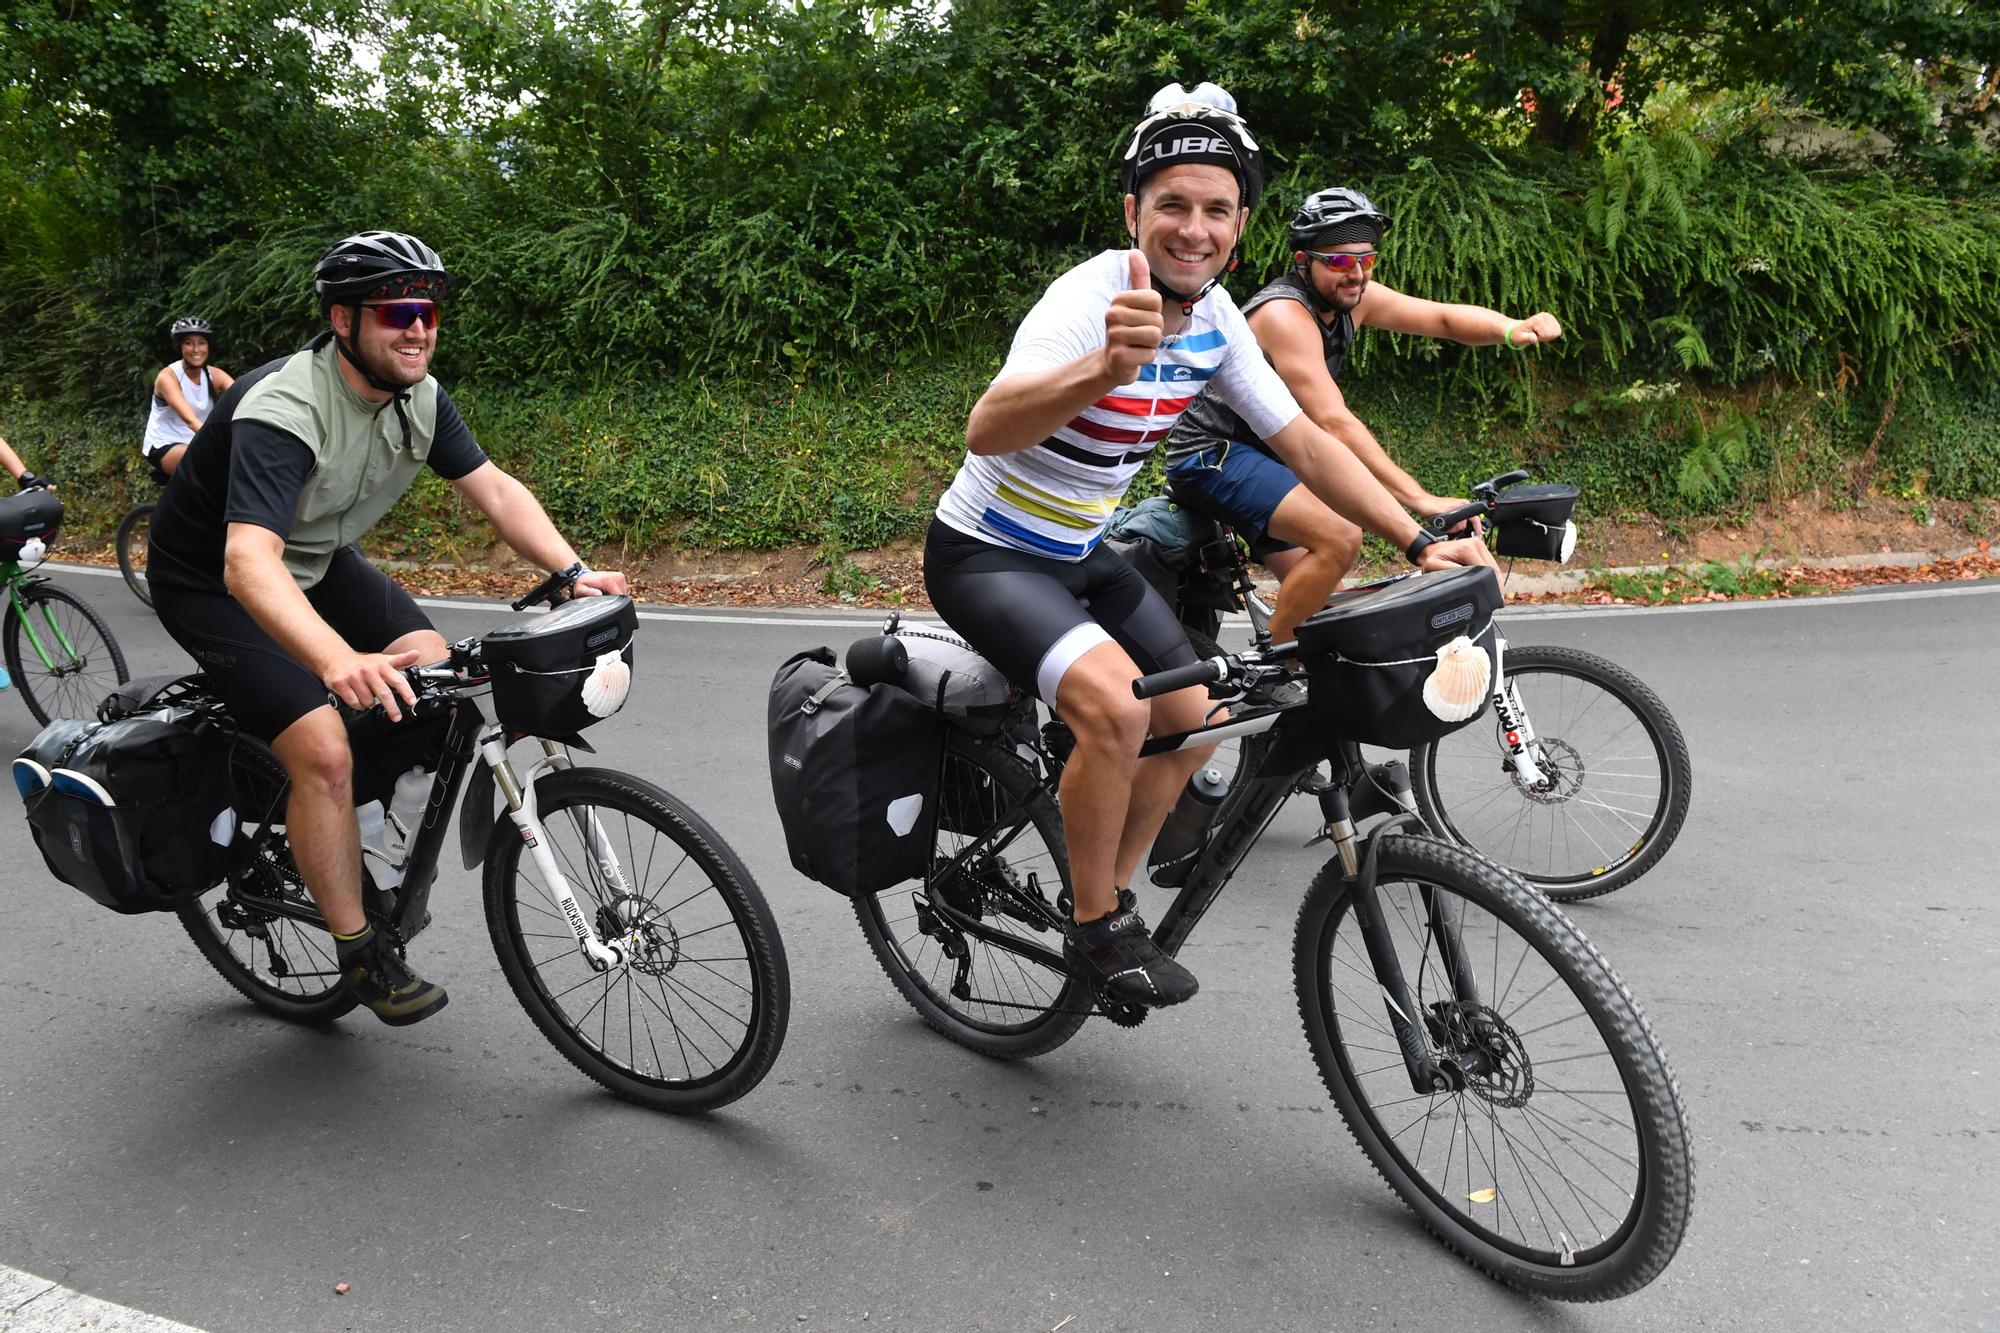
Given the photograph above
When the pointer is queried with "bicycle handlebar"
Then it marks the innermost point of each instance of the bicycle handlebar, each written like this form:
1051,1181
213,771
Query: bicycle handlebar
1204,672
1485,495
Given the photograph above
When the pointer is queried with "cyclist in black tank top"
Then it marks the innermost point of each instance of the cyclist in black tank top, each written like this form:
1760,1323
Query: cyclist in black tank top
1305,321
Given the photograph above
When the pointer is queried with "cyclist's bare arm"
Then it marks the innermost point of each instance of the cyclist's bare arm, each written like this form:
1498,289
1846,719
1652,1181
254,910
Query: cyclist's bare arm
167,387
1026,408
1290,337
1473,325
11,461
253,568
523,524
219,379
1334,474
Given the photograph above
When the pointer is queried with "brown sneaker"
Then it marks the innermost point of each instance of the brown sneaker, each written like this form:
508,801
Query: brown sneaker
384,982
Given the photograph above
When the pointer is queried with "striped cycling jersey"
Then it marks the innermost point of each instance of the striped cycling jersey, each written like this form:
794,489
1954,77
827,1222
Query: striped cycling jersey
1054,498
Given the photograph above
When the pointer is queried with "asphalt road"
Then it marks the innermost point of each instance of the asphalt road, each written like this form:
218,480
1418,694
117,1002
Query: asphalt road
1817,954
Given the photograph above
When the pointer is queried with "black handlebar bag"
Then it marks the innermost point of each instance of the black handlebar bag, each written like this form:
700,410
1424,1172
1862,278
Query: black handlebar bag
854,773
1372,650
138,813
27,515
556,674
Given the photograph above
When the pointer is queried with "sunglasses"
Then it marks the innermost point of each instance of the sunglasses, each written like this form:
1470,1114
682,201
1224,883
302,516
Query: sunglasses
1340,262
402,314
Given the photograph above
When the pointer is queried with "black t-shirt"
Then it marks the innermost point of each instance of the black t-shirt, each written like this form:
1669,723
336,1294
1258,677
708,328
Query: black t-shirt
254,471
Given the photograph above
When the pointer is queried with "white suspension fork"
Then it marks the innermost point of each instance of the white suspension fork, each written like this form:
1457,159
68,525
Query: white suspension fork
520,796
1517,733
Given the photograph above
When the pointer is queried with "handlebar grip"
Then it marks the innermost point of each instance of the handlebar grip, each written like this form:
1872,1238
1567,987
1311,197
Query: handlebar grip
1452,518
1180,677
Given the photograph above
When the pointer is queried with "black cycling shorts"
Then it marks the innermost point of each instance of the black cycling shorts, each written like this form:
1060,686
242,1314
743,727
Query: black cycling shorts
266,688
1033,617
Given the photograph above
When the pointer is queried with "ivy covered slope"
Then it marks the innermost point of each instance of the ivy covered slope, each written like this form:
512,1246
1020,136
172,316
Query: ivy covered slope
731,274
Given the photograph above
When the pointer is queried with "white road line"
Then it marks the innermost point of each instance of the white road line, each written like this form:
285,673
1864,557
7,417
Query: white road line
850,619
30,1304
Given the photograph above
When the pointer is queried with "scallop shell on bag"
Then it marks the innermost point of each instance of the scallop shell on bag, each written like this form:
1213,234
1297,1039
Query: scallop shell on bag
604,690
1456,689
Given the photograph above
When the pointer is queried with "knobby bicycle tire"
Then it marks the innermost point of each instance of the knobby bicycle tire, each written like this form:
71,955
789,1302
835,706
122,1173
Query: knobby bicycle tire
79,661
285,966
1595,1098
1000,827
138,522
1613,799
698,1015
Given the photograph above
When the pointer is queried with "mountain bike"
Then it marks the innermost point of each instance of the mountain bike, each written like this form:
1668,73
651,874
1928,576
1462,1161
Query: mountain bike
132,540
632,934
1486,1058
1581,780
61,653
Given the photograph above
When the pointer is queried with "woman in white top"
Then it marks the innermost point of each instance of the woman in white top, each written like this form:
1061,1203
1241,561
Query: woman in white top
183,393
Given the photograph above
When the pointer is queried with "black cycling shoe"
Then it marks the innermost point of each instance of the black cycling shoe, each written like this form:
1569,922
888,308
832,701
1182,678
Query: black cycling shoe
385,983
1120,961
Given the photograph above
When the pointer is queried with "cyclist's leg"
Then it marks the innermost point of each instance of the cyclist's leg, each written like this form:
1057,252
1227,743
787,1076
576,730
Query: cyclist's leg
372,611
1141,623
319,819
1328,544
165,458
274,698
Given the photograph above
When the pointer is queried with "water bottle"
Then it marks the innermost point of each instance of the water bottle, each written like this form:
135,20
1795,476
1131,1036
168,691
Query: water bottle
385,862
1186,831
406,807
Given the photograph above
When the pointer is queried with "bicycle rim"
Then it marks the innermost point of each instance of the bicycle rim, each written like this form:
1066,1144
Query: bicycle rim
999,859
1558,1159
62,654
1614,789
133,542
696,1016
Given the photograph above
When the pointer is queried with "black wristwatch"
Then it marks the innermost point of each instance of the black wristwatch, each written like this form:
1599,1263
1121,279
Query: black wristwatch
1415,550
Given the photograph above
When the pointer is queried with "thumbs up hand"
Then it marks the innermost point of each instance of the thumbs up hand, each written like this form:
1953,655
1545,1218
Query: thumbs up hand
1133,325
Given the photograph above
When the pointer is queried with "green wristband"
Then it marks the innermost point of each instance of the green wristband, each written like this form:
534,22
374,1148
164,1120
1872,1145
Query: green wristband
1507,336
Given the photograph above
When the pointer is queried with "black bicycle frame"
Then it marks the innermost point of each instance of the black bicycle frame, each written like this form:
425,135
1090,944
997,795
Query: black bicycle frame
1248,810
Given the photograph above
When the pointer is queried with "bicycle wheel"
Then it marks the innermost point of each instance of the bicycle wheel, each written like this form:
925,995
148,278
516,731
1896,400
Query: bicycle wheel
1558,1158
133,532
62,655
999,858
696,1016
250,926
1616,777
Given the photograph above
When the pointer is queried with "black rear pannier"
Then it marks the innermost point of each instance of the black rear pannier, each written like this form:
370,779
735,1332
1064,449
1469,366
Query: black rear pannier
556,674
30,514
137,813
1372,650
854,773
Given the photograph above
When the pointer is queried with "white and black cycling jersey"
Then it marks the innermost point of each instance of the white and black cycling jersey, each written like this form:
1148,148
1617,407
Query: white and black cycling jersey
1054,498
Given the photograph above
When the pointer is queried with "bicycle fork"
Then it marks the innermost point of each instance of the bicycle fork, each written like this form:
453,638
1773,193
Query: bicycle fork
519,795
1406,1019
1517,733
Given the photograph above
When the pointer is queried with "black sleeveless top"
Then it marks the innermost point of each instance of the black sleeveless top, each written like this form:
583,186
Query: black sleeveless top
1208,422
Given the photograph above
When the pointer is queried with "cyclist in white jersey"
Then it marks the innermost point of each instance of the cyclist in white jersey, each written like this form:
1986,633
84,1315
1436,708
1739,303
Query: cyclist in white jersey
183,393
1098,373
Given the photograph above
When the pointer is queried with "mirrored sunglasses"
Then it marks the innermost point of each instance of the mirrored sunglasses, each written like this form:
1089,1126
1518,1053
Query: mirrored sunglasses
1340,262
402,314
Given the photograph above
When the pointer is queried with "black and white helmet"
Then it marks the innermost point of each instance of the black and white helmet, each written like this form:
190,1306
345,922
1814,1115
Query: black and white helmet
188,326
383,264
1336,216
1193,126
